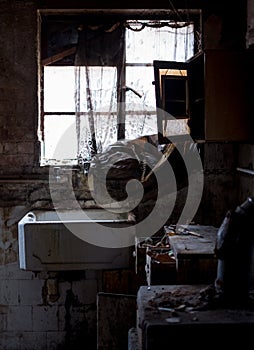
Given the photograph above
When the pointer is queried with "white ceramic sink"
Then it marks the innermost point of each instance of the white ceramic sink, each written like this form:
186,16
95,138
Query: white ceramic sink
47,242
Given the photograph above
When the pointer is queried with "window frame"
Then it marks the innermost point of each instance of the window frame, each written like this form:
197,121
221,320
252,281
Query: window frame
124,15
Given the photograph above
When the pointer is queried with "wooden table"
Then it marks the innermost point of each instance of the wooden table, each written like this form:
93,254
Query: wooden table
195,258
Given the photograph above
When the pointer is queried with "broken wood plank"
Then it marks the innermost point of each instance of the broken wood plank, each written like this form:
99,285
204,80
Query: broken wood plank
58,57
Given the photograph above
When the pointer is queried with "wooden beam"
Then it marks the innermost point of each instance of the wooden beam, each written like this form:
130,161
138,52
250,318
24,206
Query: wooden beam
115,4
59,56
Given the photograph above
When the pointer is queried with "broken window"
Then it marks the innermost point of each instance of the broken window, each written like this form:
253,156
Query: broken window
97,81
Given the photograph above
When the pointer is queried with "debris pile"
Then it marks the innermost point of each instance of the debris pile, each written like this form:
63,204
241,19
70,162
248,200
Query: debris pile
189,300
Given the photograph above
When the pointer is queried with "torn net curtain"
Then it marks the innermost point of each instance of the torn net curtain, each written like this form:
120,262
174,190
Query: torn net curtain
114,100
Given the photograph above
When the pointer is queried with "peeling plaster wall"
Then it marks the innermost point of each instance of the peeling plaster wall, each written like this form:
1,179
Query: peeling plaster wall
220,182
58,311
41,311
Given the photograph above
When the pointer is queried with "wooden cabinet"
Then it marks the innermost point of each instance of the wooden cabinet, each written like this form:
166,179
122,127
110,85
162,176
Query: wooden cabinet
217,102
226,96
196,96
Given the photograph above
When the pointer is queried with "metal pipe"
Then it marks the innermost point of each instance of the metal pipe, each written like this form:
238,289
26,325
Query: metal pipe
247,171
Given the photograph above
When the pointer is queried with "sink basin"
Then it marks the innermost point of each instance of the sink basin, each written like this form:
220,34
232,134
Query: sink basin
74,240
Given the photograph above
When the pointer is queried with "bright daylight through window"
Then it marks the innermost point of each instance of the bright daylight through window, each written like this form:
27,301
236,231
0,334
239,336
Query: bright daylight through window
92,101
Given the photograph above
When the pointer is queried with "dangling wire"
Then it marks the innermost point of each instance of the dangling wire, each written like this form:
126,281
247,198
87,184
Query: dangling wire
175,10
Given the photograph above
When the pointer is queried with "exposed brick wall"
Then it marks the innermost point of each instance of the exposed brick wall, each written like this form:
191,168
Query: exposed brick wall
18,86
31,318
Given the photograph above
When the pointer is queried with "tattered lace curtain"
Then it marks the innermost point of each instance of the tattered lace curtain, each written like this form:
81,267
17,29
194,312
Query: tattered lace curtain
114,75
